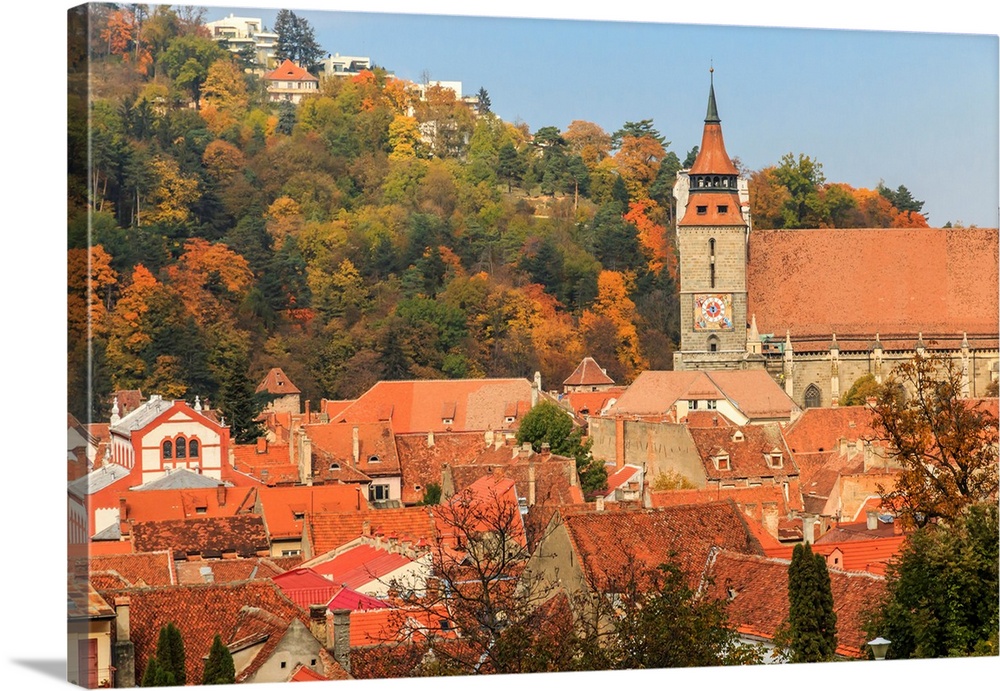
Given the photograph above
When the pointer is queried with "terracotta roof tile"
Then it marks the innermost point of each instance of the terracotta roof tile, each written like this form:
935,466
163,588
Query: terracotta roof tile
377,455
747,449
174,504
276,382
591,402
200,612
355,567
588,373
209,537
760,605
820,429
755,393
605,541
328,531
420,464
148,568
415,406
285,508
225,570
849,299
289,71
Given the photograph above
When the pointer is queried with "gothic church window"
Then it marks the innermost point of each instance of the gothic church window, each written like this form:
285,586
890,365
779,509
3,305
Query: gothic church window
168,449
813,397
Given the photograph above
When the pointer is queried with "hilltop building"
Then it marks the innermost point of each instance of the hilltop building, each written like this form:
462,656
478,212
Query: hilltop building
819,308
289,82
242,33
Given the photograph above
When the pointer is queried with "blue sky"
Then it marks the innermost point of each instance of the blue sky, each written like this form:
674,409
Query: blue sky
917,109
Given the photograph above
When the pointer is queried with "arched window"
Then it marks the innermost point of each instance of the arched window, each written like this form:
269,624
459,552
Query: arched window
168,449
181,447
193,448
713,344
813,397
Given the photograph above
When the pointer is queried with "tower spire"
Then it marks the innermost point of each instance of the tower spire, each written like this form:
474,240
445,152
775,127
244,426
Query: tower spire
713,110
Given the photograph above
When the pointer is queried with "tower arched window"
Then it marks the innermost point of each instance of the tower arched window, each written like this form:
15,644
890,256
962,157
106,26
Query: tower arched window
813,398
713,344
168,449
711,261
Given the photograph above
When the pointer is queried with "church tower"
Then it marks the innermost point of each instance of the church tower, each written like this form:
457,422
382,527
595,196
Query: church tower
712,234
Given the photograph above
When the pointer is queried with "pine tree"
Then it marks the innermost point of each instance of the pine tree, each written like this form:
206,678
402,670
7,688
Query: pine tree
219,668
241,405
812,624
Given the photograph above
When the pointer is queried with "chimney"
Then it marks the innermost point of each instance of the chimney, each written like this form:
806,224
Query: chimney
872,517
447,482
220,494
366,528
808,529
843,446
770,518
261,444
600,503
342,638
123,653
265,475
317,624
308,412
355,445
531,483
430,439
536,387
489,437
619,442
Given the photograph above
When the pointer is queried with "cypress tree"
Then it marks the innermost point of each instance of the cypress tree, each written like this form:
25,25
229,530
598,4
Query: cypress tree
219,668
812,623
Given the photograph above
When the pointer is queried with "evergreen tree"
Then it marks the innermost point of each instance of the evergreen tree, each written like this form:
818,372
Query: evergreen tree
219,668
286,118
170,653
484,101
812,624
241,405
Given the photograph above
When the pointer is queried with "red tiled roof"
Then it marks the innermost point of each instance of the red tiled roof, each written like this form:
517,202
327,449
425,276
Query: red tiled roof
200,612
820,429
360,565
420,464
415,406
173,504
712,156
754,392
333,408
605,541
377,455
245,535
751,500
588,373
253,460
289,71
285,508
852,299
746,457
720,209
277,382
225,570
148,568
760,602
328,531
591,402
620,477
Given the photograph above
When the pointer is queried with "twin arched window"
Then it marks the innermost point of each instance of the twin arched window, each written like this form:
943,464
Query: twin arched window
180,447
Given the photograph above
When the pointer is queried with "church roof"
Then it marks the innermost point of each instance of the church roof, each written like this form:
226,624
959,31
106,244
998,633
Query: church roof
862,281
588,373
712,156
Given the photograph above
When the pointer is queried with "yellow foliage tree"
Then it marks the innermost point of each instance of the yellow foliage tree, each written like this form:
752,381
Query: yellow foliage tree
172,195
614,305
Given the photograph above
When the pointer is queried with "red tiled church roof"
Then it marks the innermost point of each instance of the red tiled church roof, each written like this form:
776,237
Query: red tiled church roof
887,293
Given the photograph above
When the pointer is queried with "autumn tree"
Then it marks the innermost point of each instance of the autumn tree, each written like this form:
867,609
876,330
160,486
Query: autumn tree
588,141
861,390
941,590
945,442
652,618
219,668
187,60
614,305
478,588
803,179
811,628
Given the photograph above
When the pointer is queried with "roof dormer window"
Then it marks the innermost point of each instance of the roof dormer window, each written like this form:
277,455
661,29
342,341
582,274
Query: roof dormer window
722,462
774,459
738,435
702,209
447,421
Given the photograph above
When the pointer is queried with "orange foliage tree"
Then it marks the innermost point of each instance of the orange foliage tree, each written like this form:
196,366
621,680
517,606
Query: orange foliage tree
652,236
614,306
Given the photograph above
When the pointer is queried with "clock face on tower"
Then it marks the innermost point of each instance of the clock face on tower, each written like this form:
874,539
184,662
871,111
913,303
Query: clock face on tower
713,312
